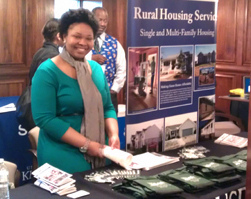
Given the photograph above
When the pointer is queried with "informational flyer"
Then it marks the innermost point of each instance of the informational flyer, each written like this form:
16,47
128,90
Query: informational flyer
170,74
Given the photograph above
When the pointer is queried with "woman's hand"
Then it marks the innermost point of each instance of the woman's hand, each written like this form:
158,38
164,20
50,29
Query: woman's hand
94,149
114,142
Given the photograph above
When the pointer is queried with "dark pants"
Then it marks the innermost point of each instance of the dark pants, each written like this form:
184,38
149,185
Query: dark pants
152,78
115,101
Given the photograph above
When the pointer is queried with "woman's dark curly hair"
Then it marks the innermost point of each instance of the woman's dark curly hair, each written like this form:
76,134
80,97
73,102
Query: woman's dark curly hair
80,15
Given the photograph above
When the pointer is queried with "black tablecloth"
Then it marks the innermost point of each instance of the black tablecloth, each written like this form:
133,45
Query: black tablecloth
104,191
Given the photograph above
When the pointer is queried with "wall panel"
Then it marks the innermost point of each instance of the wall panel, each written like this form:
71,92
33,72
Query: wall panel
11,32
117,10
233,47
21,22
227,31
247,34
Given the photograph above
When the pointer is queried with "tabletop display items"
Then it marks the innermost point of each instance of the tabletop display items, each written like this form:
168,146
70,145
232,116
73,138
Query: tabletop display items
54,180
238,161
194,152
4,180
148,187
232,140
141,161
213,170
189,182
109,176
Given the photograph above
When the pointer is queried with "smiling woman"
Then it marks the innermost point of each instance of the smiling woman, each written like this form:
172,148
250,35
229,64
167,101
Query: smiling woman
79,40
71,101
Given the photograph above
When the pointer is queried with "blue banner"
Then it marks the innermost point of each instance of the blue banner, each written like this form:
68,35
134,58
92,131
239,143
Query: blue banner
14,142
170,74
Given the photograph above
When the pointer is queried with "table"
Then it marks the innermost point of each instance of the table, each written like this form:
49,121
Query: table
240,99
14,142
104,190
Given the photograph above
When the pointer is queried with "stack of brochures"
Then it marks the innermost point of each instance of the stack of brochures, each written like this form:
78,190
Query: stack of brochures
232,140
54,180
147,161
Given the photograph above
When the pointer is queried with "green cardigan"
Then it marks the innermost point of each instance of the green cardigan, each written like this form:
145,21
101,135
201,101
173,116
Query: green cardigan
57,104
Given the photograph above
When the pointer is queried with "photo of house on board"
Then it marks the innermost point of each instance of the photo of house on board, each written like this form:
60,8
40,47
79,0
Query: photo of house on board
206,111
180,131
144,137
176,62
205,59
142,77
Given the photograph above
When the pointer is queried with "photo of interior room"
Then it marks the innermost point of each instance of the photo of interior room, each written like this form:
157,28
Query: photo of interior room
142,81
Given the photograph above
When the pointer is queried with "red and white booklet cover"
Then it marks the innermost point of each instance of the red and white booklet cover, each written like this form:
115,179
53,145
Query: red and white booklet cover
54,180
232,140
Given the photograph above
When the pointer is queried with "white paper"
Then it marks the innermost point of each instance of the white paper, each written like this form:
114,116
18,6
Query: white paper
78,194
141,161
120,157
8,108
232,140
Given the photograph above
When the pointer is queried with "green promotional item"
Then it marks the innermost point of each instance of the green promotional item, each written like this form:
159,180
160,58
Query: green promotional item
222,181
210,167
238,161
185,180
148,187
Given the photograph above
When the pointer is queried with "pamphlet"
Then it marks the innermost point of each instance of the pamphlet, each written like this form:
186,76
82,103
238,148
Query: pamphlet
147,161
232,140
8,108
54,180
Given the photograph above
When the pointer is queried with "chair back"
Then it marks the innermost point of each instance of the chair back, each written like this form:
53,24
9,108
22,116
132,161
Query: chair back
233,125
33,138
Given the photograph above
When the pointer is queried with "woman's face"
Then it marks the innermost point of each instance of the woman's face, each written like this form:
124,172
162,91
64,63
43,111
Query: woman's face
79,40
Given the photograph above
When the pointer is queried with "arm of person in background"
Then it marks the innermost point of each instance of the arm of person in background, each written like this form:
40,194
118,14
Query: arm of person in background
120,75
40,58
98,58
43,97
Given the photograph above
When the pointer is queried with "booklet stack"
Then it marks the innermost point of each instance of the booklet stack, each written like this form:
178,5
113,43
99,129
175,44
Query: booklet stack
147,161
54,180
232,140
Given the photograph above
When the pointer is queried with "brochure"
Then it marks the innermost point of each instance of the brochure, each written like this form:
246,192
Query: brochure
147,161
54,180
232,140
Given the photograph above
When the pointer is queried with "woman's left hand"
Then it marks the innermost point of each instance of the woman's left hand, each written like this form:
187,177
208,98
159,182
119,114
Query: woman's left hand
114,142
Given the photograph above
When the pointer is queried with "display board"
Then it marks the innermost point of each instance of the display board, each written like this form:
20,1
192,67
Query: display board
170,74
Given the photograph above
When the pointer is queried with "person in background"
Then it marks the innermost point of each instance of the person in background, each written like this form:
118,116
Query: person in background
50,46
49,49
71,101
109,53
152,73
135,71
